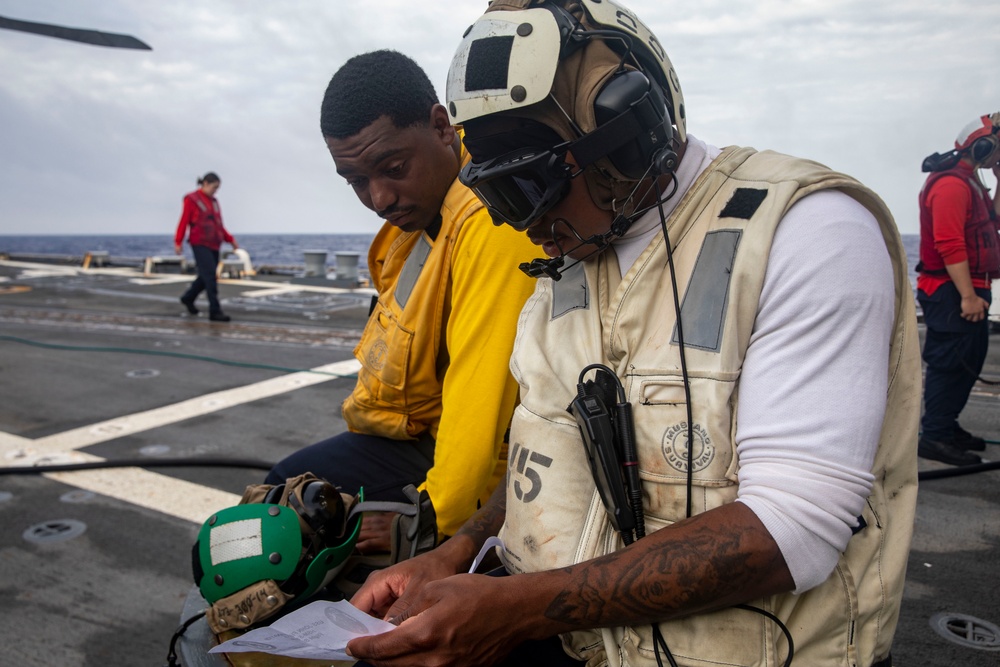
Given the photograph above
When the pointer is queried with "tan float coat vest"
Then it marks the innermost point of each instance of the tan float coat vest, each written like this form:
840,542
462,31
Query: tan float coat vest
721,232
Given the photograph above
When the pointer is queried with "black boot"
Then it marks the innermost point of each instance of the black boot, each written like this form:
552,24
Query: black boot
945,452
965,440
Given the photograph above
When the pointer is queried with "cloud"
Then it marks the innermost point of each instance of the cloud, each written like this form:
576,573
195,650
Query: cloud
107,141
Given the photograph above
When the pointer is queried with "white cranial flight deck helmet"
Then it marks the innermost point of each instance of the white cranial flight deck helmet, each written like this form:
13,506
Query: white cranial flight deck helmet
535,79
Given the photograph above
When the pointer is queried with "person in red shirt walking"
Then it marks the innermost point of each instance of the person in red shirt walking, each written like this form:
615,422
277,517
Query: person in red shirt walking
959,256
201,221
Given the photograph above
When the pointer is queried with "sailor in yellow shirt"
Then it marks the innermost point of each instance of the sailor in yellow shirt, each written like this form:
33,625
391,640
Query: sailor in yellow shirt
434,397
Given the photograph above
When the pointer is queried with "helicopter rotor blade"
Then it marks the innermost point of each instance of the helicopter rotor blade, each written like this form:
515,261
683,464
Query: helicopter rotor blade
95,37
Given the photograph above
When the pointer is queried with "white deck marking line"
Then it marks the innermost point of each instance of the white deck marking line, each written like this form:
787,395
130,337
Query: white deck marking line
271,289
152,490
983,393
141,487
48,268
259,288
10,444
136,486
161,279
34,270
264,287
85,436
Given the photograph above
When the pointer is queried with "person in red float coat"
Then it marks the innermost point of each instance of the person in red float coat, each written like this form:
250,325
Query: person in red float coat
201,221
959,256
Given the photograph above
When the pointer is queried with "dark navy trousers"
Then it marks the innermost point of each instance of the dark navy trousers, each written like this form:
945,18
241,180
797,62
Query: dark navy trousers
954,351
207,261
353,460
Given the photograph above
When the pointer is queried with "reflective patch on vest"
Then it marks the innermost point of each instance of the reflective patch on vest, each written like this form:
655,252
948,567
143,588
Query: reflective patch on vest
743,204
703,311
570,292
204,209
411,271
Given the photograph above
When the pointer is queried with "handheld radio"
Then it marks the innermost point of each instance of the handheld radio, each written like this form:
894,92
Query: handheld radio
609,441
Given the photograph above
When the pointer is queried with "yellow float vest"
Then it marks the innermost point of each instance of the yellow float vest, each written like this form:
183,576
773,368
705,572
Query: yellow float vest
721,233
402,351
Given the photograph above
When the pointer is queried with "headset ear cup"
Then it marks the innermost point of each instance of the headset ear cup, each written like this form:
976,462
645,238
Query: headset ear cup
621,94
322,506
982,148
273,496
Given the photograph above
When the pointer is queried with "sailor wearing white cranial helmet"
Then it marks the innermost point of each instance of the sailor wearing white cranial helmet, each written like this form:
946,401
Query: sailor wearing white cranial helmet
717,509
548,91
616,103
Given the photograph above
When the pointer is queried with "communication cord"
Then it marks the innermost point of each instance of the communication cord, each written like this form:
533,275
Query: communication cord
658,640
138,463
172,653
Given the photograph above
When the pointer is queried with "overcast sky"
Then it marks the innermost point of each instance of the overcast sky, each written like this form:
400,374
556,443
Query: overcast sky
107,141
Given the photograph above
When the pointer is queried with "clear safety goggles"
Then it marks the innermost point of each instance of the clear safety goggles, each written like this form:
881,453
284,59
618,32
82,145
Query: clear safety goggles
521,186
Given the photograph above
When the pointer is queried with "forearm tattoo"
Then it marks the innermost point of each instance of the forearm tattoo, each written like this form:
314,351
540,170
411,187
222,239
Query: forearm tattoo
695,568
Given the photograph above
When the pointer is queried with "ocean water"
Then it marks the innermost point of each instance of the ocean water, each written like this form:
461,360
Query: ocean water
264,249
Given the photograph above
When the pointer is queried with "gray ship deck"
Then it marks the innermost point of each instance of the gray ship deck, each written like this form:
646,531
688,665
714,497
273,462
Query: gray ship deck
104,365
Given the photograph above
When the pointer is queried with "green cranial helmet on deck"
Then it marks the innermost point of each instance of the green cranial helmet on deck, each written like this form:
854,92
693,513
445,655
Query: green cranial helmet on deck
583,68
279,546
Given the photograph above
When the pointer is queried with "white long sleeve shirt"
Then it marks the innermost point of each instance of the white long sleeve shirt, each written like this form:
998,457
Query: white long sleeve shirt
813,386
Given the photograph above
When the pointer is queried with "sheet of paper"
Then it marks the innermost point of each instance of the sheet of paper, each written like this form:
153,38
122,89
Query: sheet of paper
321,629
318,631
